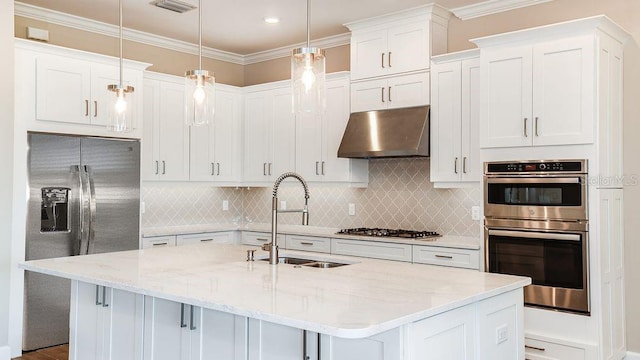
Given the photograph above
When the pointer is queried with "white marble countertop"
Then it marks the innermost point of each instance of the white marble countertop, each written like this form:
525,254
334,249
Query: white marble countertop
451,241
355,301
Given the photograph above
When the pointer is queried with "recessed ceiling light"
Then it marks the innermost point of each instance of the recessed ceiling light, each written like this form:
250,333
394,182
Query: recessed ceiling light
271,20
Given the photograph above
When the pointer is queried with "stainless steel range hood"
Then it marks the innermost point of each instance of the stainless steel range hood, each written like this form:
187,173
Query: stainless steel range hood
387,133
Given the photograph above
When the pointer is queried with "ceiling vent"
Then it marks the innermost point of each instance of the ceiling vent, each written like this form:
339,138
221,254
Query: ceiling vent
174,5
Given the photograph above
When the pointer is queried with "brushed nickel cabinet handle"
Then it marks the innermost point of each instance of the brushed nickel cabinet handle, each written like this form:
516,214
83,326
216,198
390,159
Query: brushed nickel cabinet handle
322,168
525,127
193,326
104,297
317,168
264,169
183,324
535,126
157,167
218,172
212,168
444,256
389,60
160,244
98,295
95,108
464,165
86,108
534,348
306,243
455,165
382,88
270,168
164,167
382,59
262,239
205,240
389,94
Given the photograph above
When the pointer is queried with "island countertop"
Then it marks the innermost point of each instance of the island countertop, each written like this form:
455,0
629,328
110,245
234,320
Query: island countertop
354,301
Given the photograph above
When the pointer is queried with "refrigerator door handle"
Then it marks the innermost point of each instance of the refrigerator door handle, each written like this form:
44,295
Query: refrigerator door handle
92,209
83,211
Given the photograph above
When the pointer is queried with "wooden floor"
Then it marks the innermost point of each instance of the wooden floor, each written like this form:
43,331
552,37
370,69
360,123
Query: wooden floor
60,352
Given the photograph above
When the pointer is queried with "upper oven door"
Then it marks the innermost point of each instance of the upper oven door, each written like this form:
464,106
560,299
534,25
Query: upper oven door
536,197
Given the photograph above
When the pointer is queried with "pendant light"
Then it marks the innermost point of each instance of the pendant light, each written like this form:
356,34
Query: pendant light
308,77
119,119
199,88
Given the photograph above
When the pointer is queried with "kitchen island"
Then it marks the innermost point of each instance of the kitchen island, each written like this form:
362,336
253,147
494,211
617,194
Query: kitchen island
205,301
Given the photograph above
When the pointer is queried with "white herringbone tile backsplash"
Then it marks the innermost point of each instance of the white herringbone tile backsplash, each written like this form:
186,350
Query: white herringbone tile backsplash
399,195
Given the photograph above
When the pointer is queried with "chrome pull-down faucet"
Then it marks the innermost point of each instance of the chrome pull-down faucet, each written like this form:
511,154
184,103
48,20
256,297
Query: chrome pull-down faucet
272,247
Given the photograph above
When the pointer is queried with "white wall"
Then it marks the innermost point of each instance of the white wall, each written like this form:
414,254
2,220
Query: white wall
6,164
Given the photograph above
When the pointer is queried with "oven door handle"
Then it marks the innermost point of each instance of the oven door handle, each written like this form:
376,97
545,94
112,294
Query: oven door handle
534,180
535,235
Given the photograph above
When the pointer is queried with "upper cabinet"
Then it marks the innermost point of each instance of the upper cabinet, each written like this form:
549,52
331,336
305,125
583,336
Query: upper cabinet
455,119
397,43
318,139
390,93
215,149
65,91
540,86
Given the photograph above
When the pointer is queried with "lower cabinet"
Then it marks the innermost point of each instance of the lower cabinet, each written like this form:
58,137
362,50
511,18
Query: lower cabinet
538,347
105,323
223,237
157,241
176,331
372,249
385,346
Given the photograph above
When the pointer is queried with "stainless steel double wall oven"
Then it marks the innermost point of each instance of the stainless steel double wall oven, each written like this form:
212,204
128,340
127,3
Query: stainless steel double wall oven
536,225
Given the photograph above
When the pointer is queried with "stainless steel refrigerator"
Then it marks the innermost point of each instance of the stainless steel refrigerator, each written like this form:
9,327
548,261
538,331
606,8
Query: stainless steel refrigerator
84,198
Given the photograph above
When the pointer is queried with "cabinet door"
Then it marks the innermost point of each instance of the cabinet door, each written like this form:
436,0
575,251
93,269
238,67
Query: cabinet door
385,346
408,47
506,102
309,134
368,54
335,121
471,164
201,152
86,326
269,341
63,89
408,90
101,98
149,163
166,330
446,105
218,335
226,140
368,95
284,133
257,132
563,92
173,137
124,323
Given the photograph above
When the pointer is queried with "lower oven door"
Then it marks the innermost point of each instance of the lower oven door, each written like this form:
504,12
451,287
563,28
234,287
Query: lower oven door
556,262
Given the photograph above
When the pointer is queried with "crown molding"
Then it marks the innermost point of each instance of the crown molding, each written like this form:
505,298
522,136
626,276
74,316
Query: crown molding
97,27
492,7
285,51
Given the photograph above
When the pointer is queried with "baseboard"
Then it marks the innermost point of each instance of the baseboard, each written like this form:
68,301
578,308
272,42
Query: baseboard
5,353
632,356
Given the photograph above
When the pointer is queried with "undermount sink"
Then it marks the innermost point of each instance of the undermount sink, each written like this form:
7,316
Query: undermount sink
308,262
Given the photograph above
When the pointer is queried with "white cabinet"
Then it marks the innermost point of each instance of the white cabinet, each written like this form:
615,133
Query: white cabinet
455,109
371,249
260,238
397,43
269,133
165,143
463,258
318,139
539,94
63,90
175,331
539,347
223,237
390,93
216,149
308,243
105,323
385,346
269,341
158,241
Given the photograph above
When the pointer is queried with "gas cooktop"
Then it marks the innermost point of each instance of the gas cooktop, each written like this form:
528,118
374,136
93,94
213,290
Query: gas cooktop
411,234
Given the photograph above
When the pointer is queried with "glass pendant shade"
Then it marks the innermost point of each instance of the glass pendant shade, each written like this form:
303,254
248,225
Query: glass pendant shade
308,80
119,117
199,97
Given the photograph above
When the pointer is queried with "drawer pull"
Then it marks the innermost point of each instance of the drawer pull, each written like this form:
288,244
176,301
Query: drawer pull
444,256
262,239
534,348
160,244
205,240
306,243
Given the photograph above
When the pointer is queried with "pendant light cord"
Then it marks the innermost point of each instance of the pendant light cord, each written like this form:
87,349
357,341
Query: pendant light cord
199,34
308,21
121,62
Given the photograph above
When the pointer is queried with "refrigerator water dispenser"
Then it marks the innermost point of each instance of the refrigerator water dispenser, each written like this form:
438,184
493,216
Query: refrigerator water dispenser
54,209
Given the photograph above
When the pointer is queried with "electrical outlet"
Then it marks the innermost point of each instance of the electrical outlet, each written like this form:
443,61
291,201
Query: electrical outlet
502,334
225,205
475,212
352,209
283,205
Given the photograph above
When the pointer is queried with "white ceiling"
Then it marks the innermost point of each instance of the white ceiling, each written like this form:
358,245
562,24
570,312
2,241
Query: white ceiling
237,26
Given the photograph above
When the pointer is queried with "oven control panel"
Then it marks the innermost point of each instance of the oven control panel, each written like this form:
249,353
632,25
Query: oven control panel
540,166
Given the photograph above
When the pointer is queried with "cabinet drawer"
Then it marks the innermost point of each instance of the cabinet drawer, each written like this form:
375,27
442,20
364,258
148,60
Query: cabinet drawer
308,243
223,237
371,249
158,241
462,258
536,349
259,239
